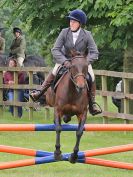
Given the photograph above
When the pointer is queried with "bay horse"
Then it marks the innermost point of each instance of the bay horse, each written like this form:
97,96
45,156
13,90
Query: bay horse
70,98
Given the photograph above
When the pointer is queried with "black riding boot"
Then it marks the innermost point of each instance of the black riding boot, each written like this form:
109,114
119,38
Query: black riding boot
93,109
45,85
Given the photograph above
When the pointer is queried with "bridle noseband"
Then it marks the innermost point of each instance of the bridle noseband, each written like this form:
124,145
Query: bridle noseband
74,77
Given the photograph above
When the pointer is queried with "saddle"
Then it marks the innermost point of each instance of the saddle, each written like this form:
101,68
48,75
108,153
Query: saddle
61,73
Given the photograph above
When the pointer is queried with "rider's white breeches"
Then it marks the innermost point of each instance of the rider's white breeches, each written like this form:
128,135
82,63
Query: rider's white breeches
20,61
90,70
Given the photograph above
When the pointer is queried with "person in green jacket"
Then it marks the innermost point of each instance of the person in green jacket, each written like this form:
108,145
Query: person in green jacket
2,42
18,46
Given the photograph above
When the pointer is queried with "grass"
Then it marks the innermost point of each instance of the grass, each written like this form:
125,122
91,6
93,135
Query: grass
46,141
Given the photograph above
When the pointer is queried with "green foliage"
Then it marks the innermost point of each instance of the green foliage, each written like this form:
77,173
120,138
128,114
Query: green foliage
111,22
46,18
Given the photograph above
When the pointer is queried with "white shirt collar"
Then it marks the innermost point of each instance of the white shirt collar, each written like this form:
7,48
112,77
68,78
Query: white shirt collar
75,35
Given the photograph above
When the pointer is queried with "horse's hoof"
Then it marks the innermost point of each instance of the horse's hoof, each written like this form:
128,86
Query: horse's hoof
73,158
57,156
66,118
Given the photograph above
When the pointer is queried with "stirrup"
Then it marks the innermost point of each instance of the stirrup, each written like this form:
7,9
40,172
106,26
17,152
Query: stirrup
32,97
98,111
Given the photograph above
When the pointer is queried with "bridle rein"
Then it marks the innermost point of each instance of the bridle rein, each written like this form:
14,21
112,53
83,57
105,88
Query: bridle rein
73,77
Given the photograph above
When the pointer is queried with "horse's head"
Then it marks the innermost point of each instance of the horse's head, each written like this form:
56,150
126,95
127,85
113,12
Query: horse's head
79,70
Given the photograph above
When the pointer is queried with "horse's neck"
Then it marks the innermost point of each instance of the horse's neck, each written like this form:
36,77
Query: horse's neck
67,85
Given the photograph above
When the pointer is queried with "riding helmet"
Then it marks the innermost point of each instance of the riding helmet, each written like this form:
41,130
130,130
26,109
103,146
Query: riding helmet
16,29
78,15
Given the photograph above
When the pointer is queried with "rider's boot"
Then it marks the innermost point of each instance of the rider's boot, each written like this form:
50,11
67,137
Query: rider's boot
93,109
45,85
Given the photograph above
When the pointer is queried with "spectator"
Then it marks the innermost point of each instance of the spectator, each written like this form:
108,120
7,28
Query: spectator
9,79
115,99
2,42
18,46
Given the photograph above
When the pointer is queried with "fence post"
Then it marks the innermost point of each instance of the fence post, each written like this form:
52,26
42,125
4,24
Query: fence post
105,101
30,101
1,94
126,101
15,113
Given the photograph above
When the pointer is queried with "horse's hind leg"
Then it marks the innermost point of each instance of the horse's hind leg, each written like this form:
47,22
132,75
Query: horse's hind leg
74,156
57,152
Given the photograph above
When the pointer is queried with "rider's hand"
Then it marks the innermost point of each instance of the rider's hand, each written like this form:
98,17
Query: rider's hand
67,64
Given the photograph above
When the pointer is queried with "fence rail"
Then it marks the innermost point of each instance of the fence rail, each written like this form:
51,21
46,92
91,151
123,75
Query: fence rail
104,93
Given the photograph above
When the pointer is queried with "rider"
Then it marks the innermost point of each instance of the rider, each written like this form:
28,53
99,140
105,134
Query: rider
18,46
79,39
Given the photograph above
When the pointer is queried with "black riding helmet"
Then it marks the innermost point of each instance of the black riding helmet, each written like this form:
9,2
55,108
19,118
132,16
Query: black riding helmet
16,29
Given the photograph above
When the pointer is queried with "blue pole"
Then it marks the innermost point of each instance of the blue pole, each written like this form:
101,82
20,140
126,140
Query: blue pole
51,127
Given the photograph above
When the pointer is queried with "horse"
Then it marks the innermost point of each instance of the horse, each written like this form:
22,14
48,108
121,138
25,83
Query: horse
71,98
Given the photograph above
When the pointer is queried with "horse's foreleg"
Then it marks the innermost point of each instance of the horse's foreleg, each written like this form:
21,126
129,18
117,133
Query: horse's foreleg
57,152
74,156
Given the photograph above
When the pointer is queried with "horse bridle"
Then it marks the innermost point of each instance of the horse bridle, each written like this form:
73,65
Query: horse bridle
74,77
77,75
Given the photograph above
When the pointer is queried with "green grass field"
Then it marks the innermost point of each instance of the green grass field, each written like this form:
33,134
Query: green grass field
46,141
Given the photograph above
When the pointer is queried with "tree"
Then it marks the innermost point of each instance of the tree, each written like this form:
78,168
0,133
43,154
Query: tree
111,20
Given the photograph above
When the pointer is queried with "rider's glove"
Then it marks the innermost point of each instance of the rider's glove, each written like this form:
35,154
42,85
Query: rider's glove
67,64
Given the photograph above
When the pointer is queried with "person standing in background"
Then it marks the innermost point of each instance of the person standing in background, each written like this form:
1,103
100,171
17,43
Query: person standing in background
116,99
18,46
9,79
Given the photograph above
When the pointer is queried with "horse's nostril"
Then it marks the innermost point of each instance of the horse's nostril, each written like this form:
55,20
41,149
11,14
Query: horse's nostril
79,89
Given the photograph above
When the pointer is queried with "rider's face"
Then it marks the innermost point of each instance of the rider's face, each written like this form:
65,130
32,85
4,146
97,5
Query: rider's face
16,34
12,63
74,25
